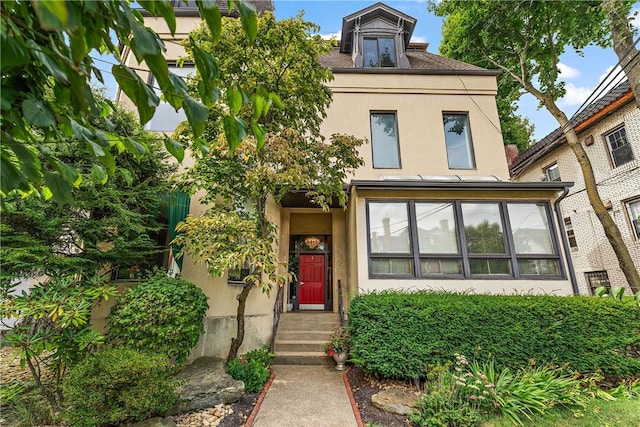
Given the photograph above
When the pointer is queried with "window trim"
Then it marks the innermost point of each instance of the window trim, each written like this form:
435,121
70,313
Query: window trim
549,167
607,143
463,254
395,113
472,152
627,208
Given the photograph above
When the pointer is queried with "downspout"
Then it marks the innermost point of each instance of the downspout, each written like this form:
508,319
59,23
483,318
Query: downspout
565,241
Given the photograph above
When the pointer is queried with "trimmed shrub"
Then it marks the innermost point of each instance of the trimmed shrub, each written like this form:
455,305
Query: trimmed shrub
398,335
162,315
118,385
252,369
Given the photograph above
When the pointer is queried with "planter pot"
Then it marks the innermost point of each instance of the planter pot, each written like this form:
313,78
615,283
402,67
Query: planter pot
340,359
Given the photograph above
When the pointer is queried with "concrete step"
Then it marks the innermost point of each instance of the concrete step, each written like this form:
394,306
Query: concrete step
303,335
297,345
303,358
301,316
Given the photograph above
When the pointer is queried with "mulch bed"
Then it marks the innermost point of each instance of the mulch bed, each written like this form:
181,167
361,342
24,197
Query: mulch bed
363,388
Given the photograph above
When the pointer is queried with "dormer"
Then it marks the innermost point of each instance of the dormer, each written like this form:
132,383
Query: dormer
377,37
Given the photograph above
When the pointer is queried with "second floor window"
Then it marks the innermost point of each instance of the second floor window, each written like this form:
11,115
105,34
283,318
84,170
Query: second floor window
571,235
384,141
633,209
552,172
379,52
619,147
166,118
457,138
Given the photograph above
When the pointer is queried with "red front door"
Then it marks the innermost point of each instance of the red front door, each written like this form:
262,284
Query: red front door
311,279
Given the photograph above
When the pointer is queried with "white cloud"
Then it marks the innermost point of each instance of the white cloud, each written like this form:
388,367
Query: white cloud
330,36
612,76
575,95
568,72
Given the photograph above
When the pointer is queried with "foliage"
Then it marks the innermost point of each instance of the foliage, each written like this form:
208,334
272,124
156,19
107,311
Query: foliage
525,40
162,315
471,391
105,225
617,293
52,329
48,67
339,342
399,335
118,385
252,369
29,408
235,232
11,392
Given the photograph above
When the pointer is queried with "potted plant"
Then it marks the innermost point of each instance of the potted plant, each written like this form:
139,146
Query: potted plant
338,346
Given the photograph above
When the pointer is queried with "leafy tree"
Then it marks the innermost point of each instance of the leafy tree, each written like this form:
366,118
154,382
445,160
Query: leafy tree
104,226
235,233
525,40
47,67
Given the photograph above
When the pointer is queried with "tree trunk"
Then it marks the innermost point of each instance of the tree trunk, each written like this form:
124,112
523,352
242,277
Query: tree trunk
623,43
608,224
237,341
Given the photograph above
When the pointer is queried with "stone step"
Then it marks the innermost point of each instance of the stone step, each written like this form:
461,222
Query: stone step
297,345
311,316
327,327
303,358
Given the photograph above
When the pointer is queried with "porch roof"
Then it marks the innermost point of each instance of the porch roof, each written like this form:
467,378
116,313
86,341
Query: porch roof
457,183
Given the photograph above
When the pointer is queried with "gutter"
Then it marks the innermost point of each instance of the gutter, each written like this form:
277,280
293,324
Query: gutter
565,241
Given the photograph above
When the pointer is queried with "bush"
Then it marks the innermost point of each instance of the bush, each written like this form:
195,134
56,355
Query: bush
398,335
252,369
118,385
162,315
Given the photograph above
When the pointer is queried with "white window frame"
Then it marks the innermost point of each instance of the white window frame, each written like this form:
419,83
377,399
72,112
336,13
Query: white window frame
552,172
619,137
633,211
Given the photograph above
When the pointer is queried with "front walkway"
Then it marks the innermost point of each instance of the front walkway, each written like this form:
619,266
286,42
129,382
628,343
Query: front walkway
306,396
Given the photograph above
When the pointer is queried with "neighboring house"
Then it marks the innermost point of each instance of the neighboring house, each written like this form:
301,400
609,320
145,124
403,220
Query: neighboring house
609,129
432,208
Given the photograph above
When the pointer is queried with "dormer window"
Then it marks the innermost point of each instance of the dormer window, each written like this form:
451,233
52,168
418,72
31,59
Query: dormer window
379,52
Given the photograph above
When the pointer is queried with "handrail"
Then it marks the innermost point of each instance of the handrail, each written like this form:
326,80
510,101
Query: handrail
343,319
277,312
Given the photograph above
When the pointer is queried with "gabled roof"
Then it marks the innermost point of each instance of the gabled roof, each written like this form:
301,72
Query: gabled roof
378,10
422,62
556,138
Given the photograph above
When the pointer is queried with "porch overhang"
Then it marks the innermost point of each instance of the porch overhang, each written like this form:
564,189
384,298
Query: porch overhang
454,184
299,199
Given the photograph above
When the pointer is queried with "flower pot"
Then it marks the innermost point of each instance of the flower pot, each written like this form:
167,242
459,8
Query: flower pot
340,359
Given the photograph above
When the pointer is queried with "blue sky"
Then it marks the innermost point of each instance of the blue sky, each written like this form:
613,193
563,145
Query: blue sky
581,74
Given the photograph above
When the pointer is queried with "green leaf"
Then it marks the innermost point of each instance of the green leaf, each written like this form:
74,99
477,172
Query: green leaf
11,177
175,148
234,99
60,188
235,130
258,106
249,19
37,114
145,42
600,291
49,61
12,54
134,147
52,14
126,175
29,162
197,115
163,8
108,160
617,293
70,174
96,148
211,13
78,43
259,132
98,174
275,99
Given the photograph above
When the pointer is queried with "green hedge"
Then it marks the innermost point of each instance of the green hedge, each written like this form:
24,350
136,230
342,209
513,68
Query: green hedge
398,335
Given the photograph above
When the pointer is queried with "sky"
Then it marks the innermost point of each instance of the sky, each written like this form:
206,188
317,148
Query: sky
581,74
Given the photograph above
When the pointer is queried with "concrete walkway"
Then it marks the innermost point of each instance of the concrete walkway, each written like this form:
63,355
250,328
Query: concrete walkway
306,396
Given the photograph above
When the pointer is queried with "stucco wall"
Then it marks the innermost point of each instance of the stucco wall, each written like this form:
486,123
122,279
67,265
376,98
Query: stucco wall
419,102
594,252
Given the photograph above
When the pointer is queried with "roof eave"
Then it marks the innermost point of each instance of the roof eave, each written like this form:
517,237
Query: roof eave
459,185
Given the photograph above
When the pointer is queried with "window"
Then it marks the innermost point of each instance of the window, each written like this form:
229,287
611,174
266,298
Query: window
633,209
571,235
458,141
379,52
461,239
384,141
236,277
619,147
595,279
166,118
552,173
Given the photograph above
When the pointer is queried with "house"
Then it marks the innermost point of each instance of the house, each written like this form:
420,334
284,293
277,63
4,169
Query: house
433,206
609,129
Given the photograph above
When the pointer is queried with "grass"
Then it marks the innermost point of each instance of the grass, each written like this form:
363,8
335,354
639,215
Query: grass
598,413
